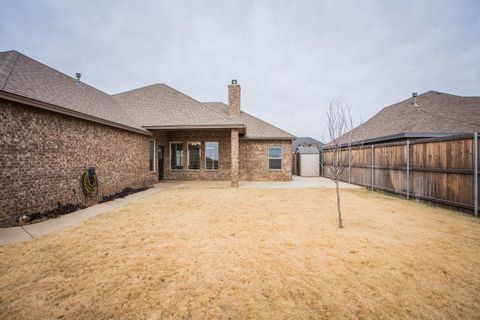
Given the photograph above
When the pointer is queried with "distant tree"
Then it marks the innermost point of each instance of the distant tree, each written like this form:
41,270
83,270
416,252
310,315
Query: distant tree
340,125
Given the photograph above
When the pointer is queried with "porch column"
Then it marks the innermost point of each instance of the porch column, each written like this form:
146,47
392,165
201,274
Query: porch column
234,155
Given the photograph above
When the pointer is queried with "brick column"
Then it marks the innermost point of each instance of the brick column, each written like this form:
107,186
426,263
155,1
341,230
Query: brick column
234,155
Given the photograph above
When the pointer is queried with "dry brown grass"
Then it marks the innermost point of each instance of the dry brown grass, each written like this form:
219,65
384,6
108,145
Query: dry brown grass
234,253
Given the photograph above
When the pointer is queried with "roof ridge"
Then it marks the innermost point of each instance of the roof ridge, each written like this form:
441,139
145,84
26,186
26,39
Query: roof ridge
409,98
250,115
139,88
156,85
7,67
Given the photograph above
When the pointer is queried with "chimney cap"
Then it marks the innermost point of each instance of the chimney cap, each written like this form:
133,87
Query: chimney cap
78,75
414,95
234,81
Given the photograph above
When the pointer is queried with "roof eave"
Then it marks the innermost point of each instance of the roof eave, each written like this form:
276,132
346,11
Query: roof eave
196,127
393,137
57,109
266,138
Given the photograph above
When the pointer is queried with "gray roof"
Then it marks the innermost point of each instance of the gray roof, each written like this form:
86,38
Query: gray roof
307,150
305,140
256,128
157,106
436,114
160,106
21,76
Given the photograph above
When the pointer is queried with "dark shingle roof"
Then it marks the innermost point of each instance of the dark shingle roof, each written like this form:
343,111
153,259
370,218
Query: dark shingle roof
305,140
25,77
256,128
436,113
160,105
157,106
307,150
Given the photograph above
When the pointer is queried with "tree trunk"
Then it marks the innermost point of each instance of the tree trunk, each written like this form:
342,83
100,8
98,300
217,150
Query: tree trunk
339,209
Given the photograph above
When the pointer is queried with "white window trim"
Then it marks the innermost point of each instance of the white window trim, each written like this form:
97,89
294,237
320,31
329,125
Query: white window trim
268,157
188,156
170,157
154,166
218,144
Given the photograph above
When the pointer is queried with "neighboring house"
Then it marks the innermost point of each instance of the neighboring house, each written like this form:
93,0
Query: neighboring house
304,142
431,114
422,148
53,127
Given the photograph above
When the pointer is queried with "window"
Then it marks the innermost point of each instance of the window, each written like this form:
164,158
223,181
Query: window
176,155
275,158
211,155
194,154
152,155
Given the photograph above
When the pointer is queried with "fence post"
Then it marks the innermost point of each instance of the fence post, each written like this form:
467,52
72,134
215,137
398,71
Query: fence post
350,165
373,169
475,172
408,168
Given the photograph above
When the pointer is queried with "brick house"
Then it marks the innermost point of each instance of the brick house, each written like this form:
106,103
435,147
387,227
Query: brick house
53,127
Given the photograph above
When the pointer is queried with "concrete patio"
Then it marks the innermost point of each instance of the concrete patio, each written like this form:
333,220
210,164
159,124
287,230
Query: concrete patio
297,183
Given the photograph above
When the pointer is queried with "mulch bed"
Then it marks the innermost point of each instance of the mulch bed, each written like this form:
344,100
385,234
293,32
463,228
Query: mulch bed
122,194
61,210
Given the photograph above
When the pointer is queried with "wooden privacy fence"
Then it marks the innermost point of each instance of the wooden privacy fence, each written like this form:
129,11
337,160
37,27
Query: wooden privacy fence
440,170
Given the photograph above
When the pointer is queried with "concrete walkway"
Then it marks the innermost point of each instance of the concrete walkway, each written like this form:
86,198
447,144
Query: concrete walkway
37,230
296,183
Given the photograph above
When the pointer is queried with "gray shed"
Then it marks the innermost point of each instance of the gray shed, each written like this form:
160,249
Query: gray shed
307,161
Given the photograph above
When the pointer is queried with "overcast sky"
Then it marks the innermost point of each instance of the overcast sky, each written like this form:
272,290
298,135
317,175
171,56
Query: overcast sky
290,57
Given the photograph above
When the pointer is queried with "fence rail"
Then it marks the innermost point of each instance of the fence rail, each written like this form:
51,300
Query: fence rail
440,170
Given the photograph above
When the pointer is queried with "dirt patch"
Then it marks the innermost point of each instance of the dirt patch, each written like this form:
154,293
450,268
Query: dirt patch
250,254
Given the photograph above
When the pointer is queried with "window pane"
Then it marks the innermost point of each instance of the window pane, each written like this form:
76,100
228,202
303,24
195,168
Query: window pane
151,152
275,164
194,155
176,156
275,152
275,158
211,155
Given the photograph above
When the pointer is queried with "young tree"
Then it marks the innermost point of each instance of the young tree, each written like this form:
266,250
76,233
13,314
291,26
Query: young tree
340,125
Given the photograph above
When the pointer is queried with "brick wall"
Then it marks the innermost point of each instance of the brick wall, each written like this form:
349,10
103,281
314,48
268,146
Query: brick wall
253,156
254,160
43,155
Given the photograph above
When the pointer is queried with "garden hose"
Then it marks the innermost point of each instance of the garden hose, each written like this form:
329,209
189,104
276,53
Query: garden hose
91,187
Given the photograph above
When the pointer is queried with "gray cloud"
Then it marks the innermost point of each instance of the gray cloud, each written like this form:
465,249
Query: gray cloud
291,57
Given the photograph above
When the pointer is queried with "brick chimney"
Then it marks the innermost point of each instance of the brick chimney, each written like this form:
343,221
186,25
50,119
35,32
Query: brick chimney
234,99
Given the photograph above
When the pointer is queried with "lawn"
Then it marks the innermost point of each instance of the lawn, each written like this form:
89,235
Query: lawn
250,254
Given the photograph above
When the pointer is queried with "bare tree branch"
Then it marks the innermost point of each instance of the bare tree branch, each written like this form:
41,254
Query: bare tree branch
340,125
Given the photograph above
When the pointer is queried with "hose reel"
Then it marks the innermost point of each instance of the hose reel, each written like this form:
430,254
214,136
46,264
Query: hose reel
90,181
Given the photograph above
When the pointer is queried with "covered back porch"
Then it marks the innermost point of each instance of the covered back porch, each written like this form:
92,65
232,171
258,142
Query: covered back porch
196,154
